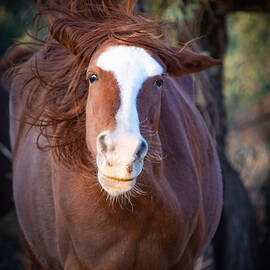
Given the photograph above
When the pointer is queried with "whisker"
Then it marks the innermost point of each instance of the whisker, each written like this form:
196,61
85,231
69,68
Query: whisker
155,155
126,198
143,121
149,134
138,191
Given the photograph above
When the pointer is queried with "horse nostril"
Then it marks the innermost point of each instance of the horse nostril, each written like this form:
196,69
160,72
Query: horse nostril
104,143
141,150
101,143
109,164
129,168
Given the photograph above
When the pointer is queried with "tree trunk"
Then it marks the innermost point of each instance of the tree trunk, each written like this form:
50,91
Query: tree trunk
6,202
234,241
226,6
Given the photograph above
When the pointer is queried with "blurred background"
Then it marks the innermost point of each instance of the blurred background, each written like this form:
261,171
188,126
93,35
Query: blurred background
234,99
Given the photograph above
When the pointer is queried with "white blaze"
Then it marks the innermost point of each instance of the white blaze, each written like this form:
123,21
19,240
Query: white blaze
131,66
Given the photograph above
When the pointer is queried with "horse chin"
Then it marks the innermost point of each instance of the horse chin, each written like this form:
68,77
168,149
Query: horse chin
115,187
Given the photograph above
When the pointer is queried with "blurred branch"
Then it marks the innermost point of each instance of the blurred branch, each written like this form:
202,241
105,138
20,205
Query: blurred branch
225,6
252,123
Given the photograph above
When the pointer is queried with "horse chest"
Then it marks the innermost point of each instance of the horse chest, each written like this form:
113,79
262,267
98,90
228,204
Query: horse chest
104,236
151,241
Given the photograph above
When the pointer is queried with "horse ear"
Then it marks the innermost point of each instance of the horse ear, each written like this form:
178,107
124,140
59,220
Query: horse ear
190,62
62,33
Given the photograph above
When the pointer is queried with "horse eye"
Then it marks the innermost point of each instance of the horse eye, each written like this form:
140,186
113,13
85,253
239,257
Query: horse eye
158,83
92,78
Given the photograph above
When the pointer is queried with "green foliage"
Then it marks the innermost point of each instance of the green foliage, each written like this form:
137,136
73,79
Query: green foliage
177,13
11,29
247,64
174,11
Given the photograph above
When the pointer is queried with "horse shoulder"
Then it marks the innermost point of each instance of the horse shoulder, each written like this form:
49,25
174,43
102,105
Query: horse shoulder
190,138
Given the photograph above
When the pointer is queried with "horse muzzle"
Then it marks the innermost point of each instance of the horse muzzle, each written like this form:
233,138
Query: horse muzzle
115,186
119,164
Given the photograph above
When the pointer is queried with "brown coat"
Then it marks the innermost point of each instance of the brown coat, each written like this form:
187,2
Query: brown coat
69,224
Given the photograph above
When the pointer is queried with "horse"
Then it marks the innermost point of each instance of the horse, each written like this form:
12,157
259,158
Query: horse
113,165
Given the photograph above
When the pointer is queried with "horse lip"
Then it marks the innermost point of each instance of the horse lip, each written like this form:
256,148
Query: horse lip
118,179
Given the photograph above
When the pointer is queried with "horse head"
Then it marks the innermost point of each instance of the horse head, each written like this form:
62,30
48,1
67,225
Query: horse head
126,81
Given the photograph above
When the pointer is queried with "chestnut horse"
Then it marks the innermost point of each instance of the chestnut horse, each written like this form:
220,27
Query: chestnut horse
113,166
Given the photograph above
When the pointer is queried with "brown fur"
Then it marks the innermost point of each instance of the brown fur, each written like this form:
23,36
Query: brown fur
65,217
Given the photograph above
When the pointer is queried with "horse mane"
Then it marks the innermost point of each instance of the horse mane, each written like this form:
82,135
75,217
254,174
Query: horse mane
55,88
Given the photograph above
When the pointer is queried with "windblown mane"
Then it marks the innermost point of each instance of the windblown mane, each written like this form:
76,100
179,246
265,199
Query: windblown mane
56,88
